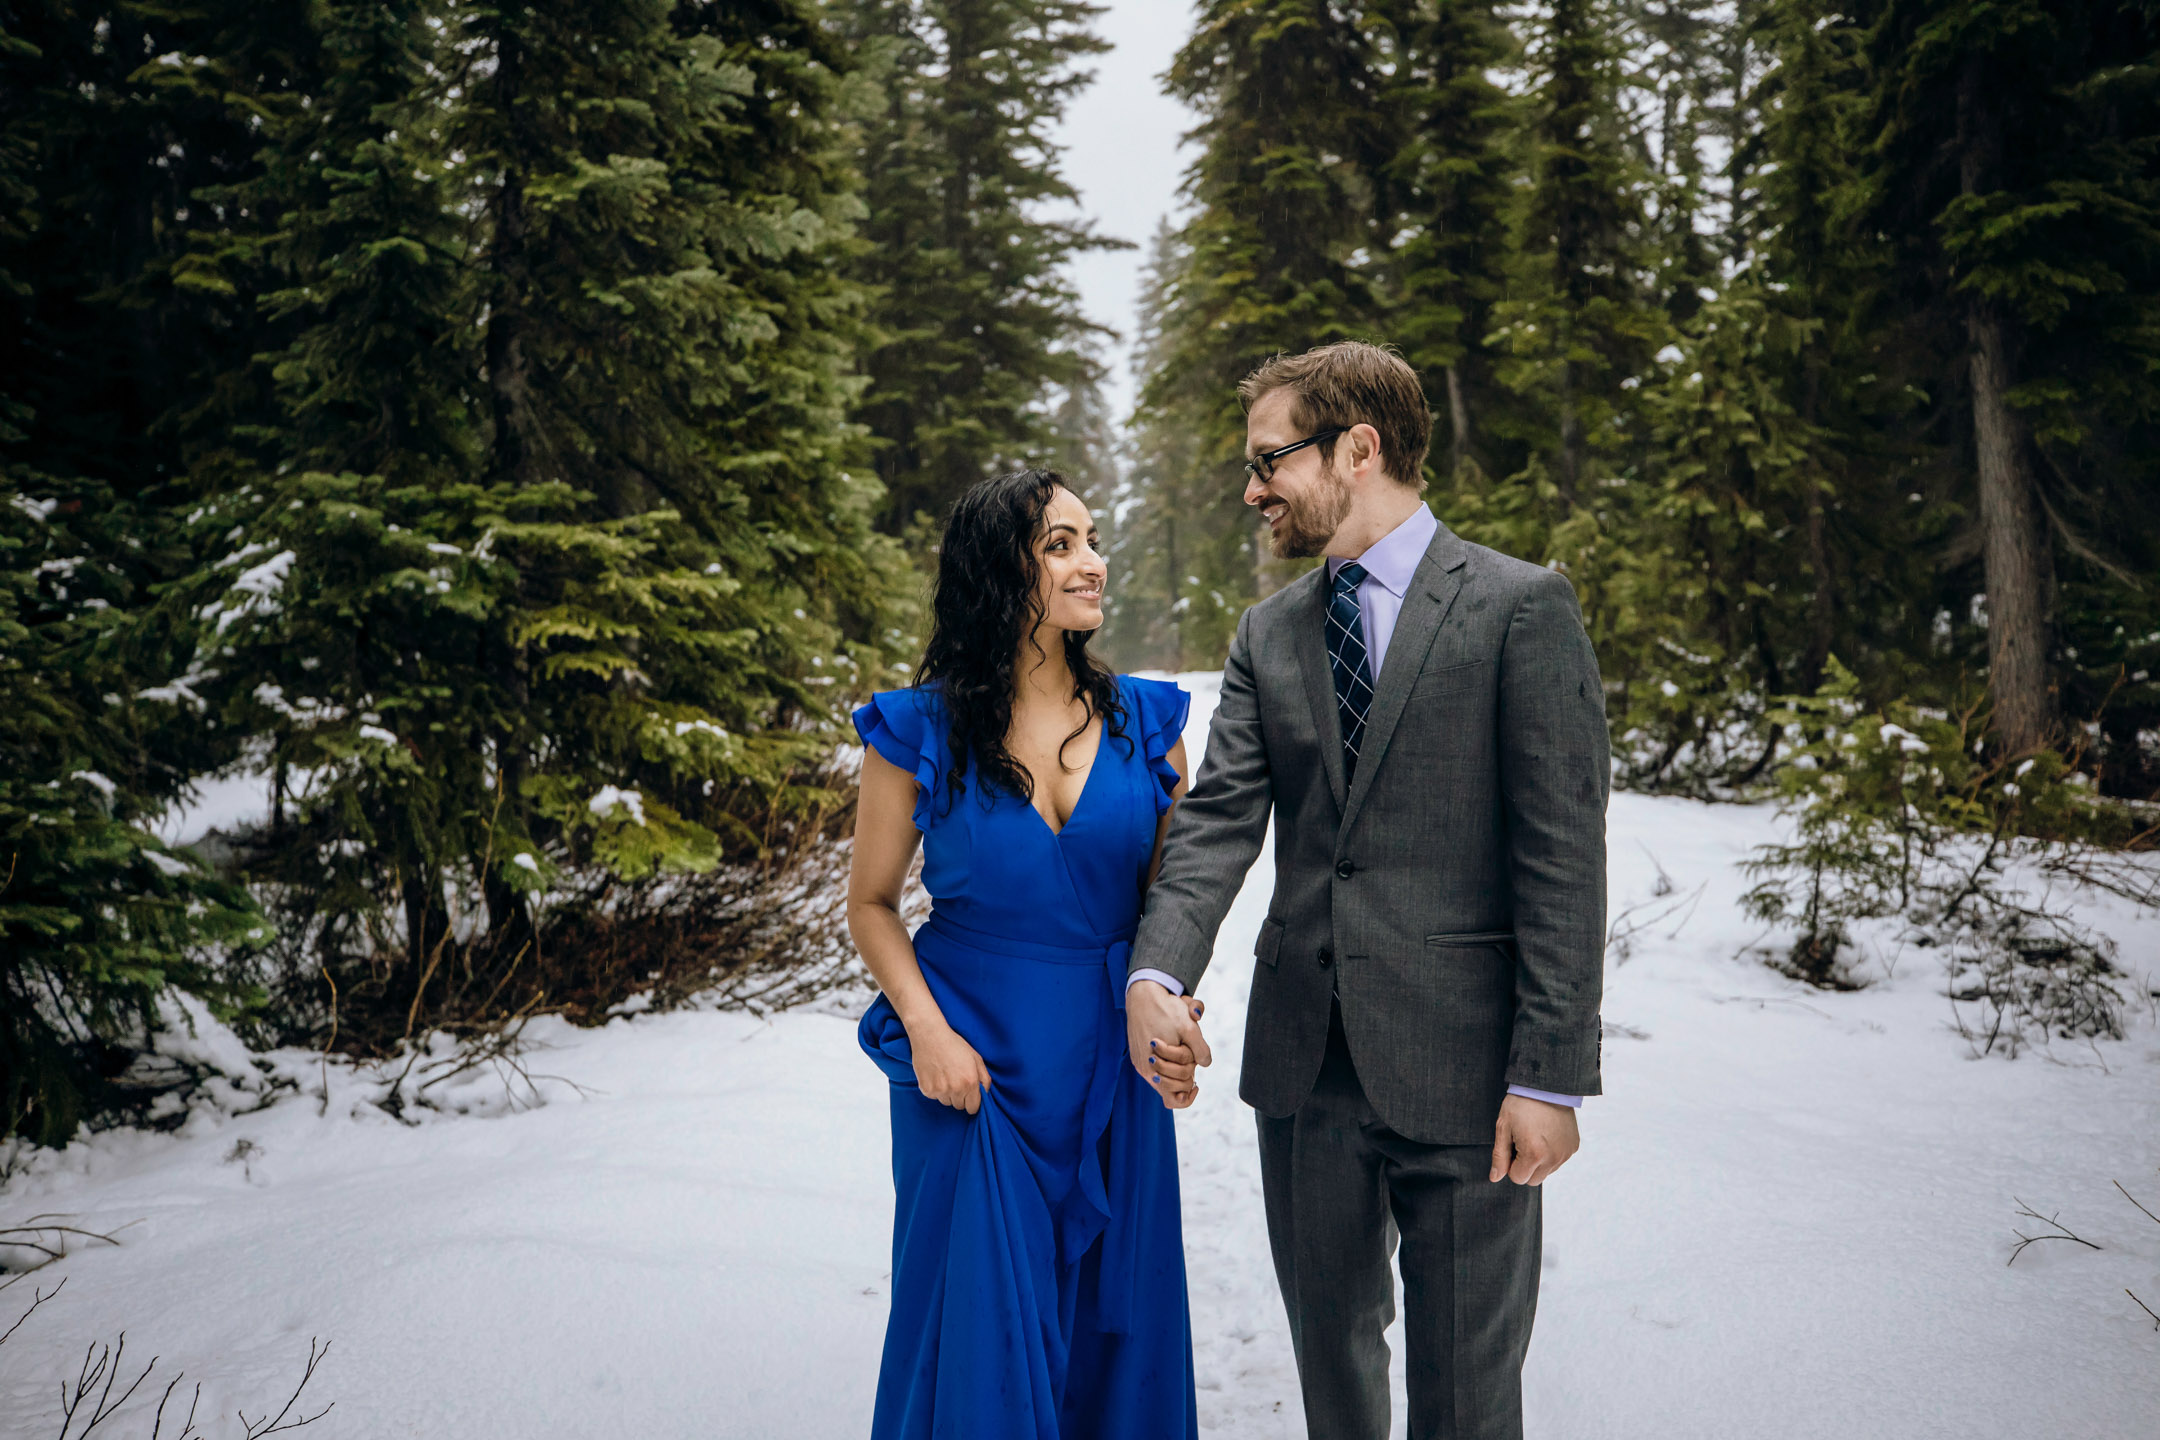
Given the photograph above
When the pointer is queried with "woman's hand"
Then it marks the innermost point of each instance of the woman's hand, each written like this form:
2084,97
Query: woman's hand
947,1069
1170,1066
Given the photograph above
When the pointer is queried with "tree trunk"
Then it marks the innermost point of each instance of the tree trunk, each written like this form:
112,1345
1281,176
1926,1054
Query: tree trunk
509,376
425,920
1822,606
2014,538
1458,404
516,445
2014,545
1569,477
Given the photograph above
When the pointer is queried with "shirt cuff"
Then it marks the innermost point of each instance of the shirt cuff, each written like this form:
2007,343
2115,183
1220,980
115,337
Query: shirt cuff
1168,982
1571,1101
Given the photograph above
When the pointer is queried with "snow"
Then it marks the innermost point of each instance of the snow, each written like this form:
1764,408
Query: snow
100,783
607,799
1790,1218
267,578
230,801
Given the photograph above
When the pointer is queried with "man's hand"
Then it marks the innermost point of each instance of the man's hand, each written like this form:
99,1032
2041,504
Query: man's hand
1531,1139
1162,1037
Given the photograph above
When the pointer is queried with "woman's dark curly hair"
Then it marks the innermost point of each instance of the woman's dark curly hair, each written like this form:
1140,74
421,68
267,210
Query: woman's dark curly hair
985,608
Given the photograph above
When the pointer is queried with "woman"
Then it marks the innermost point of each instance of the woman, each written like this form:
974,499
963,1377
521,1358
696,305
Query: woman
1038,1283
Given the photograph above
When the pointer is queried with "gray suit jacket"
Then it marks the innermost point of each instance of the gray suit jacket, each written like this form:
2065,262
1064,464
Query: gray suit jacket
1454,896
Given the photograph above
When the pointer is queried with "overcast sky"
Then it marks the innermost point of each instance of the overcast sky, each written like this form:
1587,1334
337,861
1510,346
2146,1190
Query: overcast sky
1121,139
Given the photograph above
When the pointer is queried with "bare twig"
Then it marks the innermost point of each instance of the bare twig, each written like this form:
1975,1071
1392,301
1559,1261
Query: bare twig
2134,1200
258,1428
2060,1232
23,1237
330,1043
2142,1306
100,1369
37,1298
106,1368
1620,936
187,1427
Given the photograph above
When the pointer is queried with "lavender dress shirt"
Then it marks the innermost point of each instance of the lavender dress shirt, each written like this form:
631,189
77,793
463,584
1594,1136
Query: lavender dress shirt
1389,565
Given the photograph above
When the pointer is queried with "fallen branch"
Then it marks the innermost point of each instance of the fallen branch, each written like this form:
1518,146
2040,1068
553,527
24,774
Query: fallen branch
2142,1306
2061,1232
30,1236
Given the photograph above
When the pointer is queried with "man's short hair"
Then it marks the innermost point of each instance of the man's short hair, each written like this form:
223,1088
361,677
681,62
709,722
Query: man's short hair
1353,383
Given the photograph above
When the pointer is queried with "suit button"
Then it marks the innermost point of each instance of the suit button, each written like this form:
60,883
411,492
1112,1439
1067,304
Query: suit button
1345,869
1327,957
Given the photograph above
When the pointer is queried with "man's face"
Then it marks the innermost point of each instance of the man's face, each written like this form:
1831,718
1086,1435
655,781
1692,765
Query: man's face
1304,501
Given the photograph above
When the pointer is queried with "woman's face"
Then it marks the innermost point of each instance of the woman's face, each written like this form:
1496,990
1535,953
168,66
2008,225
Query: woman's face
1070,586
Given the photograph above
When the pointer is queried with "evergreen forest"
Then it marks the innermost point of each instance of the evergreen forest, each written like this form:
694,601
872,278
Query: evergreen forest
519,431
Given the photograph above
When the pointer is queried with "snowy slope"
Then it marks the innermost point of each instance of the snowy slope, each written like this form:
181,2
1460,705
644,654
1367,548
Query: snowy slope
1790,1219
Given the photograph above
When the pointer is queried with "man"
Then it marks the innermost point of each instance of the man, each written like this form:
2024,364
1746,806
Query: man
1423,718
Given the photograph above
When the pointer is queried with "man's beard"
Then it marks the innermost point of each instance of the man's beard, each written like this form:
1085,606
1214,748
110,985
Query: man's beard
1309,524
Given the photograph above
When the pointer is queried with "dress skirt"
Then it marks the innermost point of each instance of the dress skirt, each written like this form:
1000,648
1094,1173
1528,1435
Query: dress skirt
1038,1285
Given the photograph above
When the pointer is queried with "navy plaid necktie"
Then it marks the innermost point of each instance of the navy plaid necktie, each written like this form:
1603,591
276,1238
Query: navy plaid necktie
1346,659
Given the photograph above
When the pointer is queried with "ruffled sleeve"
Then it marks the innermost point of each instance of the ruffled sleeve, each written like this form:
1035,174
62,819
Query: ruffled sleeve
902,726
1159,711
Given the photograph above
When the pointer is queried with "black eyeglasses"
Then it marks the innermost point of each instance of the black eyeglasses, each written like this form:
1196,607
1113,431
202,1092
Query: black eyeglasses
1262,466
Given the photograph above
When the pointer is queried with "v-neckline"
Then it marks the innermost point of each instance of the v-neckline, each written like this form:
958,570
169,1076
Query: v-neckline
1102,733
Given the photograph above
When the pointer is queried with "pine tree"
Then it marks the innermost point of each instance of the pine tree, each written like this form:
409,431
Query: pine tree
684,546
2012,167
555,550
1172,520
1286,249
1686,82
976,325
345,583
106,127
1579,324
1762,480
1450,189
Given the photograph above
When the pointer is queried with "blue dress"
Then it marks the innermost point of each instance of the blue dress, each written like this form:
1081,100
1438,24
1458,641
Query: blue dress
1038,1285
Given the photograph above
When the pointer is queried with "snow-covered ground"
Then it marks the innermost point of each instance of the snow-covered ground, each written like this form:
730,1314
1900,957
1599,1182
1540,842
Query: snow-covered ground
1790,1218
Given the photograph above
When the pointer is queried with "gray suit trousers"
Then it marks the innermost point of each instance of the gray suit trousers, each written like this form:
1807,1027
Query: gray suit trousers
1341,1187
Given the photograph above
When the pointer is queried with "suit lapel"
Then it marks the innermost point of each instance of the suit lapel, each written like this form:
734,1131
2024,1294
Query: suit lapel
1309,624
1425,605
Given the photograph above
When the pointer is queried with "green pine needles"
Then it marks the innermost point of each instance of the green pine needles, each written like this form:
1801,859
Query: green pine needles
516,525
975,334
1906,816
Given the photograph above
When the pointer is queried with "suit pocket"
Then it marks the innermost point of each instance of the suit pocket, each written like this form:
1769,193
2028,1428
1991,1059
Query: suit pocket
1446,679
1268,948
1473,938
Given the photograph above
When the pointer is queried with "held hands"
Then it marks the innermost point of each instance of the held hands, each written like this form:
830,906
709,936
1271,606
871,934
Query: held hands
947,1069
1532,1139
1163,1040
